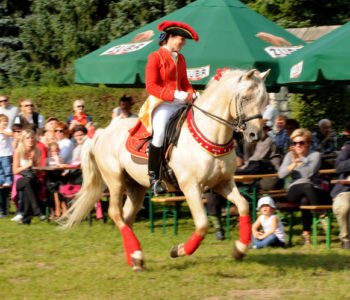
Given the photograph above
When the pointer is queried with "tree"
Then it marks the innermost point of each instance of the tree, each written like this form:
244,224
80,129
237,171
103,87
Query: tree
11,51
303,13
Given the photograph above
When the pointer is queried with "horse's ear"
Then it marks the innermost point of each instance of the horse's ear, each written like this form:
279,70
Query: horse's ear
249,74
264,75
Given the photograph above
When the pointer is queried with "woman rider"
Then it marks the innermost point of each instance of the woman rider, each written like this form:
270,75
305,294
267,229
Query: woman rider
168,88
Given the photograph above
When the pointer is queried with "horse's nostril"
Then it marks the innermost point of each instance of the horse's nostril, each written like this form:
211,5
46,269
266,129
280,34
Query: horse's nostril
252,135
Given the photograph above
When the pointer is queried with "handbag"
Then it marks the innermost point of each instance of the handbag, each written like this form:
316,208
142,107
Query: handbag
67,190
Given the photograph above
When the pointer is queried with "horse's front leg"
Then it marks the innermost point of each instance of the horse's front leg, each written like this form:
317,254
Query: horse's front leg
193,196
230,191
132,246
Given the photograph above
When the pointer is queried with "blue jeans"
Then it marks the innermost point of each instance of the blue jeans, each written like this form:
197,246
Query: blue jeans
6,170
271,240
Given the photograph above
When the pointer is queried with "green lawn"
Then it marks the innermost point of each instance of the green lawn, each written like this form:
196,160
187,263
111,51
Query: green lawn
41,262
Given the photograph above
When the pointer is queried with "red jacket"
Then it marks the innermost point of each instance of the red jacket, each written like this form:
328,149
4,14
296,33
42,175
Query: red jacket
163,76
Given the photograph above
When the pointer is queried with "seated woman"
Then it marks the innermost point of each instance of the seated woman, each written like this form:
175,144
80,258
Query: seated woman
65,144
26,156
73,176
302,165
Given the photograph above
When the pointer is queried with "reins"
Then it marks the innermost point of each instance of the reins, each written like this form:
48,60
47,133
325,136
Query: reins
237,124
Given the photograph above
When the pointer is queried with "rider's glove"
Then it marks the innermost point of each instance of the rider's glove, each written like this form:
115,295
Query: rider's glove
180,96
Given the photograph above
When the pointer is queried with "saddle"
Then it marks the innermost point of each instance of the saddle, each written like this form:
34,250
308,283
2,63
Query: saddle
139,138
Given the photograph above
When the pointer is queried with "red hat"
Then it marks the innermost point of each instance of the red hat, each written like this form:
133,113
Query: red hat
178,28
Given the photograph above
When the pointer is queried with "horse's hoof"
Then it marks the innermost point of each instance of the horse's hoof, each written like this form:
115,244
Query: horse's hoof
177,251
138,262
239,250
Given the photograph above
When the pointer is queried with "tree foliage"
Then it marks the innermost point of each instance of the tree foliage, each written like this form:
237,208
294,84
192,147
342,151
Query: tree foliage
303,13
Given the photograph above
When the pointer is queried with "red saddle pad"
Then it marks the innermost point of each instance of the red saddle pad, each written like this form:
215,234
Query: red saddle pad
138,140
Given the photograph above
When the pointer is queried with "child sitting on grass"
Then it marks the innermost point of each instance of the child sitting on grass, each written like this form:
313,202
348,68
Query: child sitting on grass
272,233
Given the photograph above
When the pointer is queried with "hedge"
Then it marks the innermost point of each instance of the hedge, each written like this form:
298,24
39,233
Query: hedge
57,101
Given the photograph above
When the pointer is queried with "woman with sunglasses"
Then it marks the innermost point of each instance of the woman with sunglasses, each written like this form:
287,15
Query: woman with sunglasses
302,165
79,117
63,141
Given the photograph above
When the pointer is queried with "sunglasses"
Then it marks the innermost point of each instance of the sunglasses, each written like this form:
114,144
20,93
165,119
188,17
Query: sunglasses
59,130
80,106
301,143
4,100
29,105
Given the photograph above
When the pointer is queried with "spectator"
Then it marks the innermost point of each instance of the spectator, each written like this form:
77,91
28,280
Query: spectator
279,135
269,114
215,203
124,109
79,117
28,117
53,181
51,123
341,194
8,109
302,164
324,139
5,164
5,152
65,144
272,233
264,158
17,132
26,156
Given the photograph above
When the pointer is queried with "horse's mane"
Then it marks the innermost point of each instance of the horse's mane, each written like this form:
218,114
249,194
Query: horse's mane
229,80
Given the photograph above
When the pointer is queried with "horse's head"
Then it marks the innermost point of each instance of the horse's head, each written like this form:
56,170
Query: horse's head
249,100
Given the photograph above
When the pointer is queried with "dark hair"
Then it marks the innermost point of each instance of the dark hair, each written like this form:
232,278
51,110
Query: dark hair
126,98
77,128
163,38
16,127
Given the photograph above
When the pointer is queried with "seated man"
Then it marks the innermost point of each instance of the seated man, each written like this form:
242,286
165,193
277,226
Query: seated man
341,194
124,109
324,140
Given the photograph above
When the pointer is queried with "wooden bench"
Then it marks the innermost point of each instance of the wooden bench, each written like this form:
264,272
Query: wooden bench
318,212
171,205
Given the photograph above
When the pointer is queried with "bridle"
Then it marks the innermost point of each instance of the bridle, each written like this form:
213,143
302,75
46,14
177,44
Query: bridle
238,124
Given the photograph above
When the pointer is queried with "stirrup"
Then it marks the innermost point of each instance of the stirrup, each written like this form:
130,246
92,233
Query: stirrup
157,188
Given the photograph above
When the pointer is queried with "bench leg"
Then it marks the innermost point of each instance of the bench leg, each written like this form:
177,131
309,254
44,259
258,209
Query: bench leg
328,232
314,228
150,211
290,233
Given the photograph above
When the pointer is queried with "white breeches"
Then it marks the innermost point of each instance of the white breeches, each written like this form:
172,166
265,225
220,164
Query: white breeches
160,118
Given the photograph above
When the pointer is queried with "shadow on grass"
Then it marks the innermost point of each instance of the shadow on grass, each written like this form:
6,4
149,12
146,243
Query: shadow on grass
308,261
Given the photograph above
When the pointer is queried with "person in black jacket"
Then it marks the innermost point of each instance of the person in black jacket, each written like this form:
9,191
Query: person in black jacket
341,193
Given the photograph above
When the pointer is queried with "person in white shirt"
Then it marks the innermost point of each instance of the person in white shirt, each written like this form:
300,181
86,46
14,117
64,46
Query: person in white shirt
8,109
272,233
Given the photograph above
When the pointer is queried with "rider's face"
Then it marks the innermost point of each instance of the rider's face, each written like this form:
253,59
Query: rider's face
176,42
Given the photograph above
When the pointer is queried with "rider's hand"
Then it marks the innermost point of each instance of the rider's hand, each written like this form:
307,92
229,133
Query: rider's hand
181,96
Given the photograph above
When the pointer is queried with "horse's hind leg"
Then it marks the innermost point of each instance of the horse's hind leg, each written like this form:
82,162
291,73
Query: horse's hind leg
230,191
132,247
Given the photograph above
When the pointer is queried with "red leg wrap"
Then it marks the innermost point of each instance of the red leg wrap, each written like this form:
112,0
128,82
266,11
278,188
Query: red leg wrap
130,241
193,243
245,230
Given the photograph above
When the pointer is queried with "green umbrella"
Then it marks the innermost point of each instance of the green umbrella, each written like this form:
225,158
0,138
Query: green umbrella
327,58
227,38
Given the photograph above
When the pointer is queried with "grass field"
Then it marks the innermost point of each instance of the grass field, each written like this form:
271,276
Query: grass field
40,262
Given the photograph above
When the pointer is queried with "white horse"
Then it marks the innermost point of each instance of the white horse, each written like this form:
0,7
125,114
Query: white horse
233,101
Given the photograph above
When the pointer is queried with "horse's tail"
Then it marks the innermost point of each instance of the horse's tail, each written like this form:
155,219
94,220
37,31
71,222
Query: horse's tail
91,189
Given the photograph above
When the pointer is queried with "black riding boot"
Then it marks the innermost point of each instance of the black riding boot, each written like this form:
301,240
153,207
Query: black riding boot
155,157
